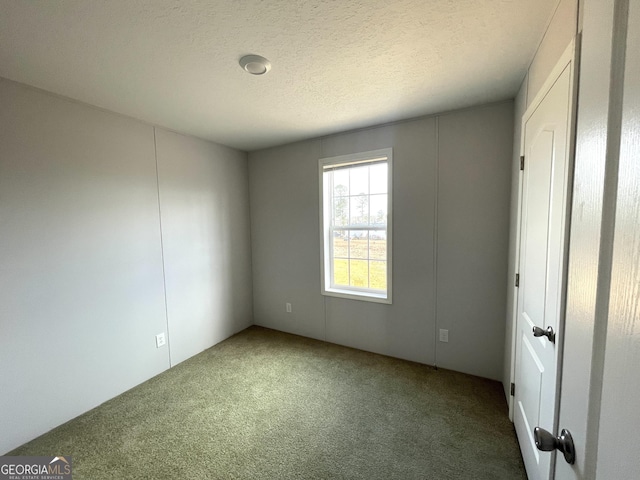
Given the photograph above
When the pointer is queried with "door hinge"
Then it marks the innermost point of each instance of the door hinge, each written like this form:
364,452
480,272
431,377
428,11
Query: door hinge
513,389
521,162
517,279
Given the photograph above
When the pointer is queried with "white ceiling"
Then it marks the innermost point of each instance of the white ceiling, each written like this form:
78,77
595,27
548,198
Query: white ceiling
336,64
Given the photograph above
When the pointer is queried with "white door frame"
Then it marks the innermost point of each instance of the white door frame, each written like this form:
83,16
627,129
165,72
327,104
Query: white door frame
569,56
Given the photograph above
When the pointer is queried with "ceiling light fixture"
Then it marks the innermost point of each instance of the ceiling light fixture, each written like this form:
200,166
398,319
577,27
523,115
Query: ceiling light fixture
255,64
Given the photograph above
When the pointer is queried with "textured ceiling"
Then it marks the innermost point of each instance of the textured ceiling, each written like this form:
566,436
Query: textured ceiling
336,65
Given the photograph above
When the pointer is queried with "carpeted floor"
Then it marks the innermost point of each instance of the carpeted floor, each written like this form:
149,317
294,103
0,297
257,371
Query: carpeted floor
269,405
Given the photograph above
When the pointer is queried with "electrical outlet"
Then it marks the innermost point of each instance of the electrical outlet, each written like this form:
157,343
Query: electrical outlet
160,340
444,335
288,307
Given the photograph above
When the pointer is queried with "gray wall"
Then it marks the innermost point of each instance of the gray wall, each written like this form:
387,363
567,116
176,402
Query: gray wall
81,283
204,204
473,222
450,213
560,31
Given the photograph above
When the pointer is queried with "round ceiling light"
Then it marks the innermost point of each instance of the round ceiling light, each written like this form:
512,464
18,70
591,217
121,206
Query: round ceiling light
255,64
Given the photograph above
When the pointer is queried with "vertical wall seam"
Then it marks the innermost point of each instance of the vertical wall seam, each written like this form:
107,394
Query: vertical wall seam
435,245
164,276
607,230
249,196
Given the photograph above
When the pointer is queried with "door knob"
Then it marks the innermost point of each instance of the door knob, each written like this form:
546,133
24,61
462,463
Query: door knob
546,442
549,333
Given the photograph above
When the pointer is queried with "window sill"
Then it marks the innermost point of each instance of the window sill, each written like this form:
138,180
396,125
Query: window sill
362,296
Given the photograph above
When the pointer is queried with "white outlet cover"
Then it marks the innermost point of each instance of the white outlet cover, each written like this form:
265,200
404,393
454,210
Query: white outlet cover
444,335
160,340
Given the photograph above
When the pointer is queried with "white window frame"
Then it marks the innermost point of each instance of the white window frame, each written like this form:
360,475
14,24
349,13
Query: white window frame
326,245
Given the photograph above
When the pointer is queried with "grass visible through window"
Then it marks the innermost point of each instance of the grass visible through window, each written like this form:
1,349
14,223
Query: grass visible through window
367,266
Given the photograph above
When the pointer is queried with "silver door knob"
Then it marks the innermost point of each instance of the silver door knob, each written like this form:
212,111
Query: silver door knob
549,333
546,442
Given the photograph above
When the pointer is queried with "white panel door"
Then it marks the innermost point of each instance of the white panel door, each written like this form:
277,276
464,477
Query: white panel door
542,246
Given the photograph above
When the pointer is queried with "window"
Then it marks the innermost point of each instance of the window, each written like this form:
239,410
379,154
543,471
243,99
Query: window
355,199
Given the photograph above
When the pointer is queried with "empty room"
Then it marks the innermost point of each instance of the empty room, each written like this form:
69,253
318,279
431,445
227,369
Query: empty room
277,239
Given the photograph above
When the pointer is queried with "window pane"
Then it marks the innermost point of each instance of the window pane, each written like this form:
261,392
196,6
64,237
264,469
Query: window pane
340,211
340,244
378,245
340,182
359,274
358,244
378,209
378,275
359,210
341,272
359,180
378,180
355,210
